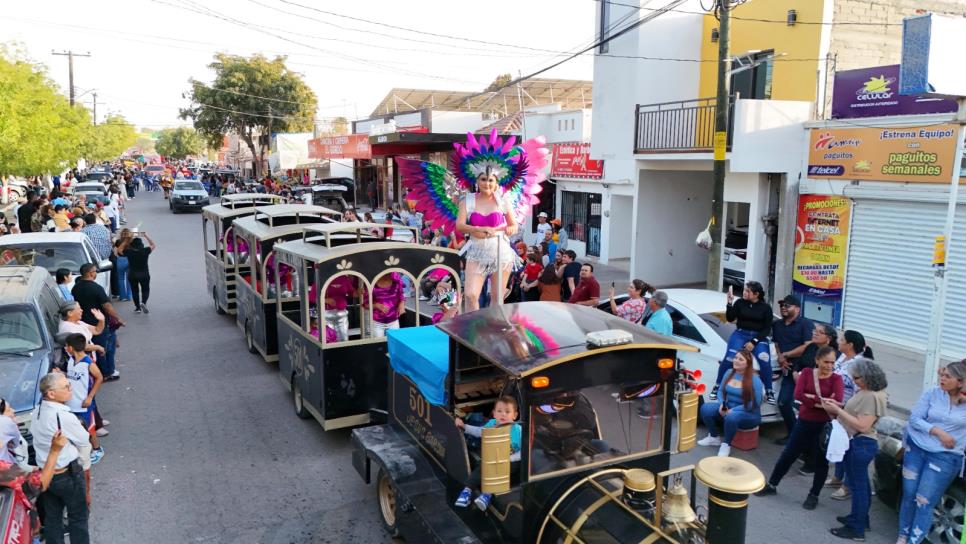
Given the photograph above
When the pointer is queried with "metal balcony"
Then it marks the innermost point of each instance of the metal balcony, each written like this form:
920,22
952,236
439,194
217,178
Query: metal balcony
685,126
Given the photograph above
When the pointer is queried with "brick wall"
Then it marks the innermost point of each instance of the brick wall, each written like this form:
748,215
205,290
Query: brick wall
860,46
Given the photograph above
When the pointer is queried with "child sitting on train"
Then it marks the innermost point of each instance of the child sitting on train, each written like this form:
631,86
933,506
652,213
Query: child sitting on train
505,411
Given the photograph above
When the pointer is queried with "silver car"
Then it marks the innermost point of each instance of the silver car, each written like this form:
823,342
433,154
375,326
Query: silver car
187,194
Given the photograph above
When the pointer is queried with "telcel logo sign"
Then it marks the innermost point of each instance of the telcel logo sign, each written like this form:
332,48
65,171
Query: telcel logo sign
877,88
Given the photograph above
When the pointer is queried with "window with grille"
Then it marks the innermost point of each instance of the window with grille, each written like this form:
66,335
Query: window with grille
573,214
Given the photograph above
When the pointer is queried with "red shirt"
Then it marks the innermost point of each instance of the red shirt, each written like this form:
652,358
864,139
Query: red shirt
585,290
811,409
532,271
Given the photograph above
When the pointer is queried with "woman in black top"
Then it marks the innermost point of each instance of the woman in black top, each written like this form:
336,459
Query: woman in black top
754,318
138,274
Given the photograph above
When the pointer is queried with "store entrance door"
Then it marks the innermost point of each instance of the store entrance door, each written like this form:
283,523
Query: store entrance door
594,211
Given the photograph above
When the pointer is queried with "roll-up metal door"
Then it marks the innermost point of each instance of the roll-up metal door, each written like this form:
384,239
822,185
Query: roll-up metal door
889,282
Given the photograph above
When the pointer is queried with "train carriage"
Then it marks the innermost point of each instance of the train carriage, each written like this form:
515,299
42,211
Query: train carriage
595,396
253,240
339,378
220,269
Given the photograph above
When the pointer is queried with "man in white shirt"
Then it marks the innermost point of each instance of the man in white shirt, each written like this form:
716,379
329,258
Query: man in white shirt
67,488
542,227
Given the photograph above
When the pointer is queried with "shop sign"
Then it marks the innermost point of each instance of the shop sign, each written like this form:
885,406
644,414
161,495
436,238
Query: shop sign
821,240
572,160
350,146
905,154
874,92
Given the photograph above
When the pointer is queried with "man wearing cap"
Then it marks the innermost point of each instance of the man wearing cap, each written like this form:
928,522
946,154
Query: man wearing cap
791,334
659,320
543,226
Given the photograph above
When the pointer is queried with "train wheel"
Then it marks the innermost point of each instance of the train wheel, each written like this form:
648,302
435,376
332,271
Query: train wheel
214,296
387,503
298,400
249,340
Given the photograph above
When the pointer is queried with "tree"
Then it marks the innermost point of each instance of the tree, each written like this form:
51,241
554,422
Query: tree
108,140
500,81
179,142
39,131
250,96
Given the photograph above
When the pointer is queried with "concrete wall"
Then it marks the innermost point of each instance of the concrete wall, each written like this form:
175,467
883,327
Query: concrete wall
769,135
672,208
456,122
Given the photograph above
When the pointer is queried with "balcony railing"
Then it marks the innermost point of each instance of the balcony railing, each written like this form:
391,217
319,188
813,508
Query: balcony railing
685,126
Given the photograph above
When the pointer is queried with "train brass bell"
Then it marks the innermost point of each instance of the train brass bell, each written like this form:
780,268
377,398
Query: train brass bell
677,508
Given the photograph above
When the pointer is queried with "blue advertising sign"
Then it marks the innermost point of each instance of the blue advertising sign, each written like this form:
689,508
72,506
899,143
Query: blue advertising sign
873,92
916,38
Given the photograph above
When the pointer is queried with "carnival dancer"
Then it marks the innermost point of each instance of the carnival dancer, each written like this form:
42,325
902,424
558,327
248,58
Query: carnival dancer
502,181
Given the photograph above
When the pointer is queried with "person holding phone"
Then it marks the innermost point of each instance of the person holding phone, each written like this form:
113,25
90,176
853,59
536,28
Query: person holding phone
753,317
634,308
67,489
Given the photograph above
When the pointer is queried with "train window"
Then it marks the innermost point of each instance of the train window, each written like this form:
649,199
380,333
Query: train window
242,257
393,305
438,287
595,424
211,236
343,309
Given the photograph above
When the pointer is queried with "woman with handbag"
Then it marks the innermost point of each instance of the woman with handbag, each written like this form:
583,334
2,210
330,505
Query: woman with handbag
813,385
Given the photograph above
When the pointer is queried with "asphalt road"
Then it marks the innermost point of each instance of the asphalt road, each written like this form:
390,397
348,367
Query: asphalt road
205,447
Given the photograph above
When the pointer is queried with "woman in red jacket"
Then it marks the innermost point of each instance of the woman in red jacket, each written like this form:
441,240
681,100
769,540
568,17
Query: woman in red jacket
810,427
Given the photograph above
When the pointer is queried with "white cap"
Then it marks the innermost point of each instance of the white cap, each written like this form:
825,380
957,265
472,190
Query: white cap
542,214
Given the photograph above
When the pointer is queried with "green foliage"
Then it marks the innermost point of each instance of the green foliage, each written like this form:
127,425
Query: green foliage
233,102
500,81
39,131
179,142
108,140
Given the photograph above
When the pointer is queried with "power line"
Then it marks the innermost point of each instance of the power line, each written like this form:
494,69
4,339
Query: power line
423,32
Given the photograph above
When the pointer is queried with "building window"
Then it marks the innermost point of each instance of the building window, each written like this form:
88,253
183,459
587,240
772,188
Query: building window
604,25
752,75
573,214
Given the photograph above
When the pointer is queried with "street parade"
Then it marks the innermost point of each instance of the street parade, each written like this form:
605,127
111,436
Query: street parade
691,280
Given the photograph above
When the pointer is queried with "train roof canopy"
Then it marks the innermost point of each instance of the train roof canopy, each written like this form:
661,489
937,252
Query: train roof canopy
528,337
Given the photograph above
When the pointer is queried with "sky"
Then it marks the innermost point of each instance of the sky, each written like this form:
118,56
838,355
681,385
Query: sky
143,52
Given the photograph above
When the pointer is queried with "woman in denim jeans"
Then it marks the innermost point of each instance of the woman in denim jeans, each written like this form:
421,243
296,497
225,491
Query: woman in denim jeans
935,439
740,405
859,416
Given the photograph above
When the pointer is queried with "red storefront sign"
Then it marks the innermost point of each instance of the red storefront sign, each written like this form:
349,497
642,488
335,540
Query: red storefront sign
572,160
350,146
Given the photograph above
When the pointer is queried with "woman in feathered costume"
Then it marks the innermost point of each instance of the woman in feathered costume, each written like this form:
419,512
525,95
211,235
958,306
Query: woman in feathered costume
502,180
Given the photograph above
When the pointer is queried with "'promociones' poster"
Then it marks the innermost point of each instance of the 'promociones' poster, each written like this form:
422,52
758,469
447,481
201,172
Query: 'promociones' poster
821,240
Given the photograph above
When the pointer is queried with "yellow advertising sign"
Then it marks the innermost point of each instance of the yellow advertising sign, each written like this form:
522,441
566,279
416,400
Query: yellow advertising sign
820,242
909,154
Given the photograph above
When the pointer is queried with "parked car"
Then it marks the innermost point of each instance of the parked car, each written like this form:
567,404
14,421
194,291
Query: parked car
98,176
734,255
54,250
187,195
947,526
29,320
90,188
699,320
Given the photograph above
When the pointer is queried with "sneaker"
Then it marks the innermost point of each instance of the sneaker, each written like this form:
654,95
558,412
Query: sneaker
483,501
811,501
724,450
844,520
806,471
847,533
710,441
832,481
103,432
144,308
105,422
423,297
137,310
770,397
97,455
464,499
767,490
116,374
713,395
841,494
780,441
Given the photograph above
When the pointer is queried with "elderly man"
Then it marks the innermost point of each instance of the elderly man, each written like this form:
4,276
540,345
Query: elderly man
67,488
587,292
659,319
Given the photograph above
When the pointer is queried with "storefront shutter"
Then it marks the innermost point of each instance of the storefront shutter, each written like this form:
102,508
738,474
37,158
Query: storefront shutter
889,284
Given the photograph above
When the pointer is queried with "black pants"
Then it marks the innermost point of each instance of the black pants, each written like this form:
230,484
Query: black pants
140,287
68,491
806,437
786,402
115,277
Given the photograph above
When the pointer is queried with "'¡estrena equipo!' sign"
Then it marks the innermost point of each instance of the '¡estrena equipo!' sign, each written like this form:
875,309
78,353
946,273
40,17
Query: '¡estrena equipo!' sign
914,154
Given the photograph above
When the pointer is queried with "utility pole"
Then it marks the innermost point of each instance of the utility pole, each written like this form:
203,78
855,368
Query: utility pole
722,104
70,67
